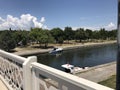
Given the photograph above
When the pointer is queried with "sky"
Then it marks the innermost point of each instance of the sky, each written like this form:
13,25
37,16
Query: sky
48,14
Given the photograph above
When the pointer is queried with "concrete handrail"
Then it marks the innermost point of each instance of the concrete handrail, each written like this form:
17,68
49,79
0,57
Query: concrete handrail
13,57
71,81
25,73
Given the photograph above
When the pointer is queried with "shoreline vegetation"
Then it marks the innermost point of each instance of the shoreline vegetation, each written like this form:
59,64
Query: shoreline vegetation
34,49
44,38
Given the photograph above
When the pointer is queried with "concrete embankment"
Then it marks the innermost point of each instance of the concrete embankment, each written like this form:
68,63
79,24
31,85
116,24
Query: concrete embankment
99,73
69,47
95,74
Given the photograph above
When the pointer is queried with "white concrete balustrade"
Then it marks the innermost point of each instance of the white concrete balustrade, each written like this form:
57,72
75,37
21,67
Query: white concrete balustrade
19,73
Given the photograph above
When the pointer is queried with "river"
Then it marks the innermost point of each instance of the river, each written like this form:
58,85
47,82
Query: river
83,57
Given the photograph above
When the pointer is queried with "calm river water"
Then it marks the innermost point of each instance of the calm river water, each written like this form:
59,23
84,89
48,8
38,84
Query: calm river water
84,57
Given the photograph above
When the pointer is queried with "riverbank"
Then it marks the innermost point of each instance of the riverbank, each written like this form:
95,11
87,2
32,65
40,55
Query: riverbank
88,45
99,73
33,51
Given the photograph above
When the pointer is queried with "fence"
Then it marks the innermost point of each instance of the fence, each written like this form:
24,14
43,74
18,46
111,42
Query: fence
20,73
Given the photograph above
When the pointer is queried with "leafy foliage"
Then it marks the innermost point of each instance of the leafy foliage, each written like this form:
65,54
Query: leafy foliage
41,36
80,34
21,37
58,34
7,41
69,33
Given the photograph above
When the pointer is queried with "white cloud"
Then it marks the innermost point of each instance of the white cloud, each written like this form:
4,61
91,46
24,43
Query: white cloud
26,21
86,27
110,26
1,20
42,20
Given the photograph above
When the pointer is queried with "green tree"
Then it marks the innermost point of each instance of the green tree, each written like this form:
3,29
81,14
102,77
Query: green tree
58,34
80,34
45,38
60,40
41,36
7,41
34,35
112,35
88,34
103,34
21,37
95,35
69,33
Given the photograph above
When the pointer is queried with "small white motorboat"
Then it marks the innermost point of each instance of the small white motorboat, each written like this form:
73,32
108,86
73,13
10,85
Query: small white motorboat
55,50
68,68
71,69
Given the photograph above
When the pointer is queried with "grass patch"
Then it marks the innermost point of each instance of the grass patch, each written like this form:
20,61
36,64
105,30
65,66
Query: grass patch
111,82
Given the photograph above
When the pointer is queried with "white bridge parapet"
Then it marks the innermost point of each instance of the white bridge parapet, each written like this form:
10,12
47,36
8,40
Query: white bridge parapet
19,73
11,69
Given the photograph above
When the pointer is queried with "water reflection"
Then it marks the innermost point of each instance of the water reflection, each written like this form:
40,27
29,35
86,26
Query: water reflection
84,57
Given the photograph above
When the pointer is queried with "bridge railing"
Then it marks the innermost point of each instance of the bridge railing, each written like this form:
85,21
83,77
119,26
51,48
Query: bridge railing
47,78
11,69
26,74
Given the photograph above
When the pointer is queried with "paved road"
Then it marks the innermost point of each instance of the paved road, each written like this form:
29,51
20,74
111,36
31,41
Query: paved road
99,73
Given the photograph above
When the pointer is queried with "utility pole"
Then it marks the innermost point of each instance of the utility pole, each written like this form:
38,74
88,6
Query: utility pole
118,53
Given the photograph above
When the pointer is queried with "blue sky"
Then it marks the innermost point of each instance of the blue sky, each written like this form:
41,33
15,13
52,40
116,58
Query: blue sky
93,14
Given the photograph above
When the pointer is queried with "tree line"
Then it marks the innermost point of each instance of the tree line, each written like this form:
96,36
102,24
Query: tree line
9,39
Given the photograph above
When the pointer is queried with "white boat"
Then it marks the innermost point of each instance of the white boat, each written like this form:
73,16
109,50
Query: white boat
55,50
71,69
68,68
